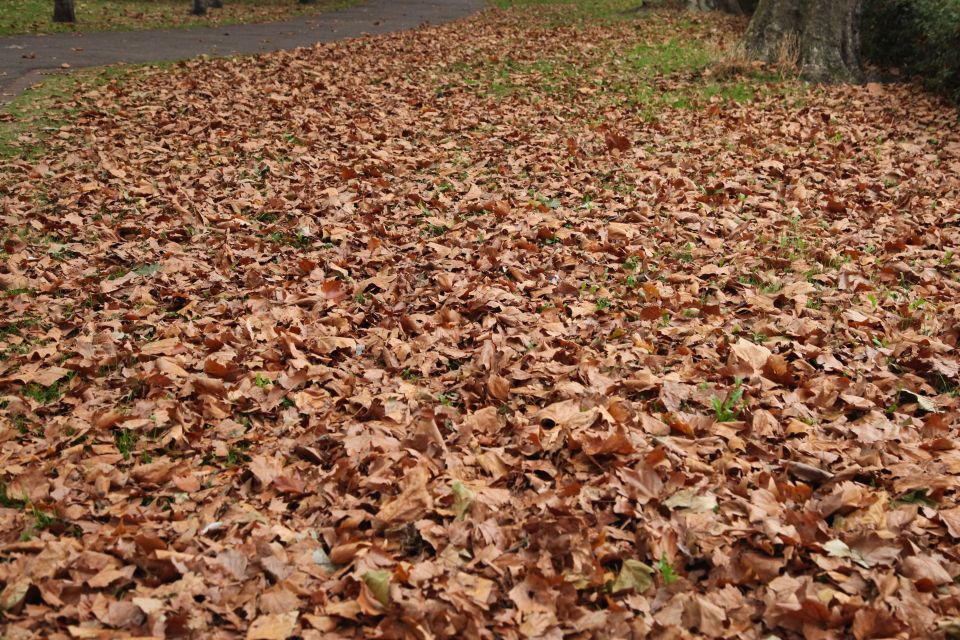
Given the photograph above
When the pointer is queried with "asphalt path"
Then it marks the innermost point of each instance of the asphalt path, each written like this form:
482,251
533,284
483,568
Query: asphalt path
24,59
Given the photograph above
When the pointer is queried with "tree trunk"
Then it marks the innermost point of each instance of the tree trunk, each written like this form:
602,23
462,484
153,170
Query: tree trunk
307,1
216,4
199,8
63,11
821,36
727,6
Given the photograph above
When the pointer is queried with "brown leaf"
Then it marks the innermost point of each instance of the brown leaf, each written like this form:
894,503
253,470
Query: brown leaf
749,357
13,594
566,414
123,615
166,346
265,469
43,377
925,568
413,500
498,387
617,442
157,472
278,626
291,483
951,518
334,290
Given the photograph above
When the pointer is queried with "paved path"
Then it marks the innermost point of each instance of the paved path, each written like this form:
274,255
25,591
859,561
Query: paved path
23,58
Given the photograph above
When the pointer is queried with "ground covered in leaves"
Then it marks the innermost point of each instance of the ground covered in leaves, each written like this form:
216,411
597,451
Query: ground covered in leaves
536,325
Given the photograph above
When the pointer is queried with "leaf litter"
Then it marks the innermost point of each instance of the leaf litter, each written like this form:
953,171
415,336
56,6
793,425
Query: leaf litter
505,328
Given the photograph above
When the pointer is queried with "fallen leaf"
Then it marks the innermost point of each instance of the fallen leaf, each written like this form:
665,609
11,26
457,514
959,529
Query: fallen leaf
279,626
634,575
379,584
413,500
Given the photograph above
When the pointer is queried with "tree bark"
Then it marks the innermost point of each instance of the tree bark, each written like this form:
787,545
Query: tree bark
199,8
307,1
727,6
63,11
821,36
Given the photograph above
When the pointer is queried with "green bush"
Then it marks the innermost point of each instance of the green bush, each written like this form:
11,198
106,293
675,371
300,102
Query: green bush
920,36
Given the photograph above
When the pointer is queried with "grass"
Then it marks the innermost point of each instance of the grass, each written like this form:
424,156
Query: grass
43,395
643,77
28,122
666,570
35,16
728,409
40,519
584,10
126,441
670,57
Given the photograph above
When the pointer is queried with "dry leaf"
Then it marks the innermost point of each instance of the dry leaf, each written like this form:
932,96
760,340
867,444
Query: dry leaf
278,626
412,501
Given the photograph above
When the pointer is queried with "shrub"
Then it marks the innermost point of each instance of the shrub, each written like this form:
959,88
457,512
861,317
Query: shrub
920,36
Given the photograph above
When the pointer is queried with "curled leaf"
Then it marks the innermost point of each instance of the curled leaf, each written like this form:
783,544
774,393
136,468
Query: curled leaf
462,499
379,584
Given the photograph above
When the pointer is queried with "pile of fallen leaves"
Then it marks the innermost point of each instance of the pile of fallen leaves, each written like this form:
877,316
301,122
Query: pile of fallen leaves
486,331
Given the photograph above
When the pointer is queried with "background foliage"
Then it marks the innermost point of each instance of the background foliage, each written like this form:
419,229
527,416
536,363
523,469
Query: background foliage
920,36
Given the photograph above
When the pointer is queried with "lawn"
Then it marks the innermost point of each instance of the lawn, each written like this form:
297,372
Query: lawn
31,118
557,321
35,16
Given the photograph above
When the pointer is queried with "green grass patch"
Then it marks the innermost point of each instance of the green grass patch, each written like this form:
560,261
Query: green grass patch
42,394
613,76
669,57
29,121
126,441
565,11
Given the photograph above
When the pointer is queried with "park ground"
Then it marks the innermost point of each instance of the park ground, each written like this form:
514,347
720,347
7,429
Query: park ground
34,16
557,321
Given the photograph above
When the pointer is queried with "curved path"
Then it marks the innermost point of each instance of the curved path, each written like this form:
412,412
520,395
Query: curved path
23,58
